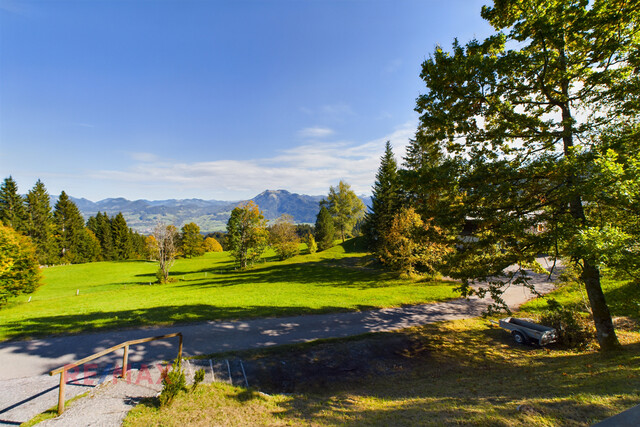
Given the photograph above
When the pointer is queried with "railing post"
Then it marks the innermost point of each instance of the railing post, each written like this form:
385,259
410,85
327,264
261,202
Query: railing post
180,348
63,381
125,360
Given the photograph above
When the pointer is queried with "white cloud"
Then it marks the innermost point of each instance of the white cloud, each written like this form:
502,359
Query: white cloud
307,169
315,132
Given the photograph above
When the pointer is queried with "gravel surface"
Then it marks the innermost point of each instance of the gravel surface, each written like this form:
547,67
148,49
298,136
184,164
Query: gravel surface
26,392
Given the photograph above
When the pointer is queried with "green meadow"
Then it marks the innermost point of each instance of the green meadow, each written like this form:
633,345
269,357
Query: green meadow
111,295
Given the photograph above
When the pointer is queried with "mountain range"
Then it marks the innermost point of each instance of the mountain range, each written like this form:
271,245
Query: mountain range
210,215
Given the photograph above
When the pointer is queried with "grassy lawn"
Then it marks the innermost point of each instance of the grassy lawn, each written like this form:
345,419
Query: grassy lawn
118,294
452,373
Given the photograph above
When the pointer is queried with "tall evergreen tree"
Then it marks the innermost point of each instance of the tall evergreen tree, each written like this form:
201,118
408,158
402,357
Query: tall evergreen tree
385,201
40,223
325,231
121,241
12,208
104,235
69,226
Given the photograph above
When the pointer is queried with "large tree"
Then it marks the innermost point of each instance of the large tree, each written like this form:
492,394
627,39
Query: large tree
122,248
522,116
191,241
325,232
345,208
40,223
19,271
69,226
12,206
247,235
283,237
385,201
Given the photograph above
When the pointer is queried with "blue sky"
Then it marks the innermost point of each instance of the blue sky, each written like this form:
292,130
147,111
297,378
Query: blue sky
213,99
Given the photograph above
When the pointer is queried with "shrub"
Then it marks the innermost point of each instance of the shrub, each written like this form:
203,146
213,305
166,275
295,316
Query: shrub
311,243
173,382
198,377
574,330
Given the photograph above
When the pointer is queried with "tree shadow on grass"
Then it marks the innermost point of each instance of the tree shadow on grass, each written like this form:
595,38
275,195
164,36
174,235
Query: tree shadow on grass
149,317
344,272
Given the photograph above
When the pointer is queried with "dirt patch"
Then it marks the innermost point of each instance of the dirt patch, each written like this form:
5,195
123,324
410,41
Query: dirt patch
329,364
626,324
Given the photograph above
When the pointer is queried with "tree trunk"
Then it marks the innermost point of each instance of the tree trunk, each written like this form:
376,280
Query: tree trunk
605,332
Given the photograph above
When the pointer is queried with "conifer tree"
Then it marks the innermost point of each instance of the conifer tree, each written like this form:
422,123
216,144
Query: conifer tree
40,223
12,209
325,231
385,201
104,235
69,227
121,241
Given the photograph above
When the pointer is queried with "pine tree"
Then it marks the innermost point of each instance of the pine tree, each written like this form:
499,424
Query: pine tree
69,227
385,201
12,209
325,231
104,235
40,226
121,241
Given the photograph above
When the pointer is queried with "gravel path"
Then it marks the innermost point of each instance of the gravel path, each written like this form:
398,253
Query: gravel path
26,390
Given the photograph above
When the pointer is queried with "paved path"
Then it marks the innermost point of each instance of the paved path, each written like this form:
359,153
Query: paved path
26,389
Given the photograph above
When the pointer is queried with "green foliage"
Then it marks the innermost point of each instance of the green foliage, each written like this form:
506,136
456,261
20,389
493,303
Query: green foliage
325,231
40,224
310,241
500,132
247,234
385,201
411,245
19,271
283,237
121,240
198,377
69,229
191,242
345,209
12,209
573,327
173,382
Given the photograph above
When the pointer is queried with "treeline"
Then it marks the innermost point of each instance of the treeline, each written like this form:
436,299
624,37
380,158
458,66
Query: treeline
60,234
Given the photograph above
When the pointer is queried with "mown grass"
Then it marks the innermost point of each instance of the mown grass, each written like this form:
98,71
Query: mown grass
119,294
453,373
